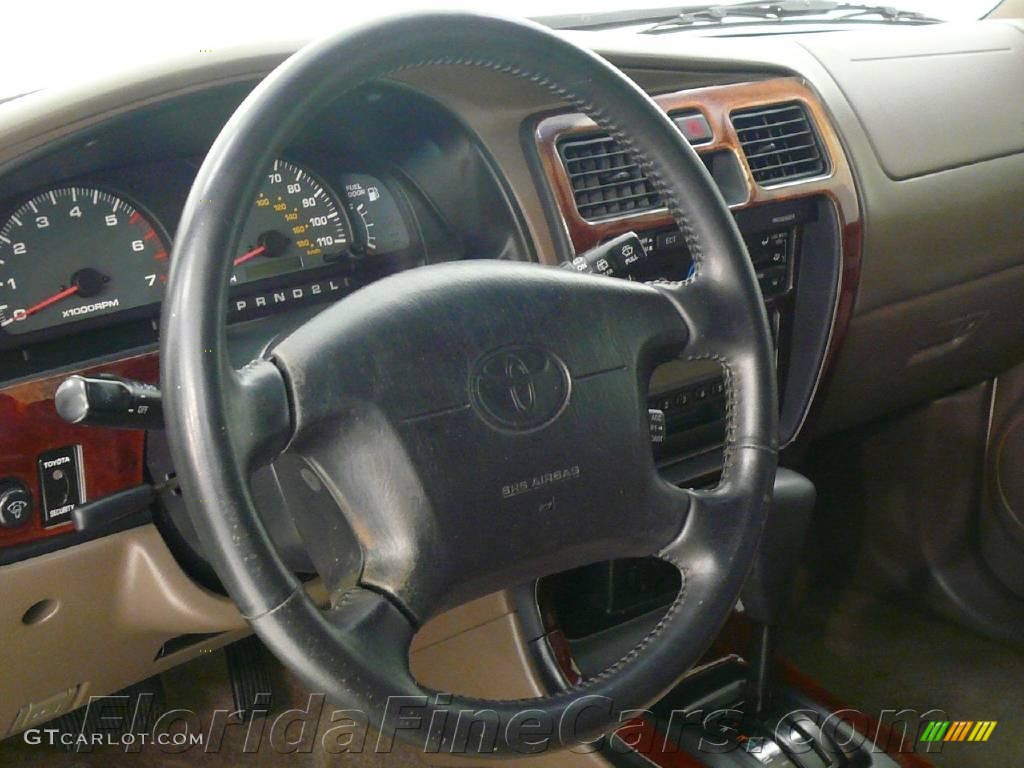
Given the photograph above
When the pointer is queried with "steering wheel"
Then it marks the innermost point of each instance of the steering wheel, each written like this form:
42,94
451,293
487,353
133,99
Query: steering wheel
462,428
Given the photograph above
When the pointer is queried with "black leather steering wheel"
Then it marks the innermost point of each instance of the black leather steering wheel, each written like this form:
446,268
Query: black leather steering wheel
462,428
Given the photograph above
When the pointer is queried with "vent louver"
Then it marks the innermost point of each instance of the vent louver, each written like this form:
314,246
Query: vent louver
605,180
780,143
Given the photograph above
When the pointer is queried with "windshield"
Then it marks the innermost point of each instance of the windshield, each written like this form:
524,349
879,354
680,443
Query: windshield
79,40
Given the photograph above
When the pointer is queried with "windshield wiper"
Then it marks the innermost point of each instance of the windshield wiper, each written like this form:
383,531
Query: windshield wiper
788,10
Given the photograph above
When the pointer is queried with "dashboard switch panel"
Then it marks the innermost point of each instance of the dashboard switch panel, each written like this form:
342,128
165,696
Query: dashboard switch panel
61,482
769,249
770,253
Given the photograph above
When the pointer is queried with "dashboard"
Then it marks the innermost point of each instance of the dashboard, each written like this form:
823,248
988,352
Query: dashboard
386,179
885,283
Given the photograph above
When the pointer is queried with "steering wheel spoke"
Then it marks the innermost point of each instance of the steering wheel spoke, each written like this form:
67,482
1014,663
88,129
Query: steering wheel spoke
705,308
260,422
365,642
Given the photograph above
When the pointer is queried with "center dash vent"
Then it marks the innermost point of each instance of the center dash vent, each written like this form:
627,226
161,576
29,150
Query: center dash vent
780,143
606,181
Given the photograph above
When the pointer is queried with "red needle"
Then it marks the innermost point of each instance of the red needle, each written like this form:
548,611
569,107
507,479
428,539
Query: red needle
250,254
52,300
43,304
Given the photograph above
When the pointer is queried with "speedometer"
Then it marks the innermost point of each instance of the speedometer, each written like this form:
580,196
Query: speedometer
295,223
74,253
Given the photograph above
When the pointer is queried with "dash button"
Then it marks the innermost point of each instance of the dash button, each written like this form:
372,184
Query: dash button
62,483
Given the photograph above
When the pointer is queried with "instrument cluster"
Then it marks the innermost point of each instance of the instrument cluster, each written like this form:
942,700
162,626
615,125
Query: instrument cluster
380,180
81,256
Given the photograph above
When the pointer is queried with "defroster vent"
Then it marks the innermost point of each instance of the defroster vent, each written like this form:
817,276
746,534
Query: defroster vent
780,143
606,181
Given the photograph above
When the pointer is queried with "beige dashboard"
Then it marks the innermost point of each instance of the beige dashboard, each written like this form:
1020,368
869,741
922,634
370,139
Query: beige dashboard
932,277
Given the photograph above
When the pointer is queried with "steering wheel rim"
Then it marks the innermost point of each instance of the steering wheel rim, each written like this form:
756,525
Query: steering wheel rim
222,423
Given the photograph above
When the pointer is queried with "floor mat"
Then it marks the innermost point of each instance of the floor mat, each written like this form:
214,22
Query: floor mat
875,654
202,686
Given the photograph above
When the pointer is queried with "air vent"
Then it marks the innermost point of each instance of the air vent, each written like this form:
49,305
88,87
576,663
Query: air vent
780,143
605,180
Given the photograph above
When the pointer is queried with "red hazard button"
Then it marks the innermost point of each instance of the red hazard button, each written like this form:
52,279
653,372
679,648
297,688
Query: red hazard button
694,126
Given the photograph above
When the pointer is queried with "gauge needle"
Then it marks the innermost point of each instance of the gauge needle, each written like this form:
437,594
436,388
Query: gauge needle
250,254
43,304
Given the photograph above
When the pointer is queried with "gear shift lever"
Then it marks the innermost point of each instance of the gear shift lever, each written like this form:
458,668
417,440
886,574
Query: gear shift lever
771,578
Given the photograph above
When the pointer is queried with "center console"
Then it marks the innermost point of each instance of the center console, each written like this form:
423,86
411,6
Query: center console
771,150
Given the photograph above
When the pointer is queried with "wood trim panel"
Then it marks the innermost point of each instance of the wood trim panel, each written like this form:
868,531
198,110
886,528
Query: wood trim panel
29,425
716,103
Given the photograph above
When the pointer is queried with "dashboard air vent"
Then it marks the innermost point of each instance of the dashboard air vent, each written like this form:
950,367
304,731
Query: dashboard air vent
605,180
780,143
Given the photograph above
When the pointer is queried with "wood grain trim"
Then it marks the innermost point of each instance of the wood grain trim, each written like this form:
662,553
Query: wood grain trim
113,459
716,103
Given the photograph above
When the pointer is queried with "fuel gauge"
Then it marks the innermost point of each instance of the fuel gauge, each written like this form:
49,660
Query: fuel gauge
376,218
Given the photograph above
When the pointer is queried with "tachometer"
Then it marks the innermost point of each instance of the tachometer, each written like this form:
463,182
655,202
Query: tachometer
295,224
76,252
